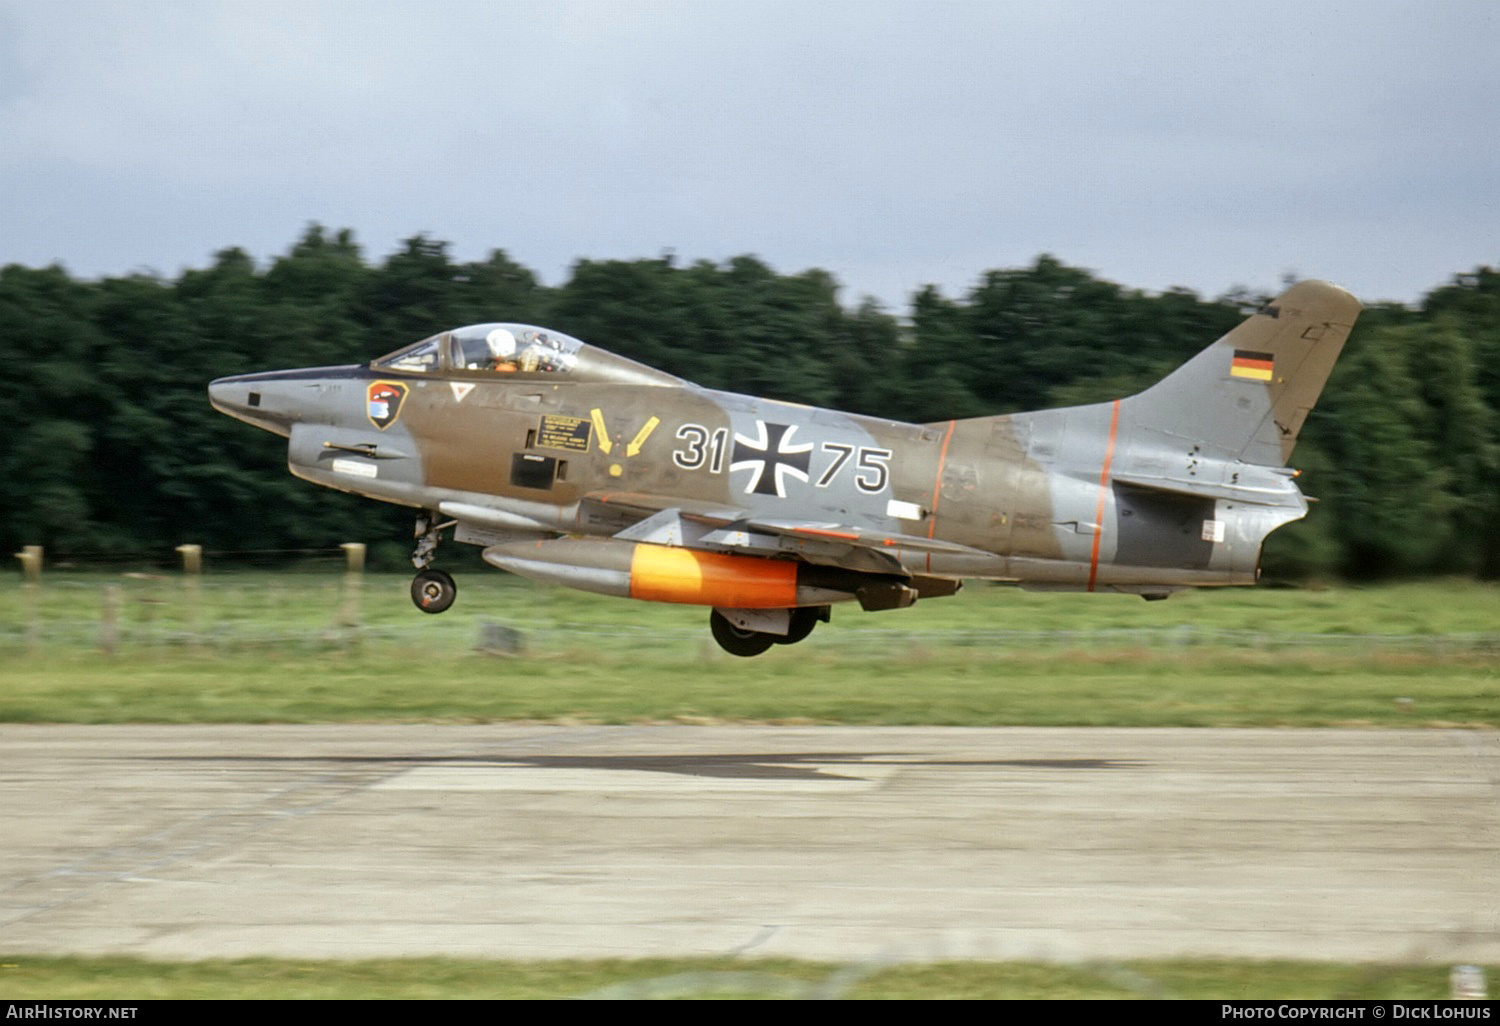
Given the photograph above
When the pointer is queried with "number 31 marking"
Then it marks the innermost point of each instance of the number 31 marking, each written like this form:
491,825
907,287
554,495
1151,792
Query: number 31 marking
702,447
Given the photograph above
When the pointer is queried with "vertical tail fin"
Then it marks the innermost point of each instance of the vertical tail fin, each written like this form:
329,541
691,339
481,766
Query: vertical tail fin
1247,395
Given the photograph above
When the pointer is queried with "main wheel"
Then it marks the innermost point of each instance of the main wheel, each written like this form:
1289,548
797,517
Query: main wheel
804,619
736,640
433,591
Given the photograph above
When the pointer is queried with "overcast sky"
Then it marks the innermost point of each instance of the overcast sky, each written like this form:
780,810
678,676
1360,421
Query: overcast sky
1209,145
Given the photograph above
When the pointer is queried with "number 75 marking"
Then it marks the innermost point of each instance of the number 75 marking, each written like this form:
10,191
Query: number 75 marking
873,474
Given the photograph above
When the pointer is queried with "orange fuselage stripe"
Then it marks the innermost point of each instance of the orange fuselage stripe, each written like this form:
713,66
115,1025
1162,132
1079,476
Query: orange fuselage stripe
1109,455
937,486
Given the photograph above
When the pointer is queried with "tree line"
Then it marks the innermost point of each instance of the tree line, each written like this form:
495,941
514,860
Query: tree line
113,451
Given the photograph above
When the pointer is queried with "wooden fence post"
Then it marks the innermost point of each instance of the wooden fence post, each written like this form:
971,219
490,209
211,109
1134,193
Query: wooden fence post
354,575
192,587
31,570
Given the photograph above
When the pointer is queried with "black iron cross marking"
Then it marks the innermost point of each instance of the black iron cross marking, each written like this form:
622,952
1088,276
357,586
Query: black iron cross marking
769,456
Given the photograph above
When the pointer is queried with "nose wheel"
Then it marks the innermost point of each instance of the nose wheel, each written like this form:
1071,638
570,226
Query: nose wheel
433,591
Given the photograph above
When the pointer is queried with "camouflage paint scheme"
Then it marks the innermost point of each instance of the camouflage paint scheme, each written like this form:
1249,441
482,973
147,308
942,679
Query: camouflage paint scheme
578,467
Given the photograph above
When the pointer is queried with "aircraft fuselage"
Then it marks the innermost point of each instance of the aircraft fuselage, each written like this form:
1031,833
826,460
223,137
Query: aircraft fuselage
575,466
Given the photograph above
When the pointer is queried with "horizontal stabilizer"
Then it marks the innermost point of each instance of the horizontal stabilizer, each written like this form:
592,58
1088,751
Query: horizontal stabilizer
1266,489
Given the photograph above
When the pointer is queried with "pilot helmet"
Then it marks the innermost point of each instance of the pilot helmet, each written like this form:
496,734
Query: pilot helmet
502,344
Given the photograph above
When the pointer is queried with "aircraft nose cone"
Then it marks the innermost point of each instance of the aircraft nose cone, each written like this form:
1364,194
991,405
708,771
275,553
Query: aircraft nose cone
276,400
218,393
250,398
232,395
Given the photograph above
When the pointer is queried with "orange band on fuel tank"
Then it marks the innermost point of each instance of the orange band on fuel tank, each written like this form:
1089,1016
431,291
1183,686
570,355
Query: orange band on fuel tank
662,574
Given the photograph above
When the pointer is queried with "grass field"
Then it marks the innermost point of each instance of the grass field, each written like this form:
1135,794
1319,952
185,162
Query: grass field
24,977
304,647
296,647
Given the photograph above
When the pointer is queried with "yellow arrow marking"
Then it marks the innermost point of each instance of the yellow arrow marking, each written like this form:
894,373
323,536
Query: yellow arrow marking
605,445
641,436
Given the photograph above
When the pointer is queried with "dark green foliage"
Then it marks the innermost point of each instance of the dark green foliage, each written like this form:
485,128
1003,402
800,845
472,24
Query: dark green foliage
1394,509
740,326
1044,328
53,353
112,448
1470,309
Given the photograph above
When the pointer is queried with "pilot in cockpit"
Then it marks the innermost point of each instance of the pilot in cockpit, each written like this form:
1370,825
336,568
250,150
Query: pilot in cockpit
499,350
502,347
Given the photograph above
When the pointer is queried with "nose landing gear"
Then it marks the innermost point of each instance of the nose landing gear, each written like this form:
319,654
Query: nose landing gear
432,591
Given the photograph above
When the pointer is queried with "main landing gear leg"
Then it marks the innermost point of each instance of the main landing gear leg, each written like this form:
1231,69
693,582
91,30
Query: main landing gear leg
744,641
428,533
432,591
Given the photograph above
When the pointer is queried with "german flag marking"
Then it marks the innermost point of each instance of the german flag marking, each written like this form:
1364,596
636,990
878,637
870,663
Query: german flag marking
1255,366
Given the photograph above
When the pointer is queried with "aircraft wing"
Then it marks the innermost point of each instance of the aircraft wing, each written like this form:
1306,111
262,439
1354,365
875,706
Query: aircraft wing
630,507
671,520
859,536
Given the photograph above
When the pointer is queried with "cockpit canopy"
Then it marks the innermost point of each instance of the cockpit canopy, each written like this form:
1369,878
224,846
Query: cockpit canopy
520,350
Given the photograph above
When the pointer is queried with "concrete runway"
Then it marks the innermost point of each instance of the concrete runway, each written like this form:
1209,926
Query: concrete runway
844,844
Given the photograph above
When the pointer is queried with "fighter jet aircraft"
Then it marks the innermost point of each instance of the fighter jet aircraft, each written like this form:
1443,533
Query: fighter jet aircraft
573,466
